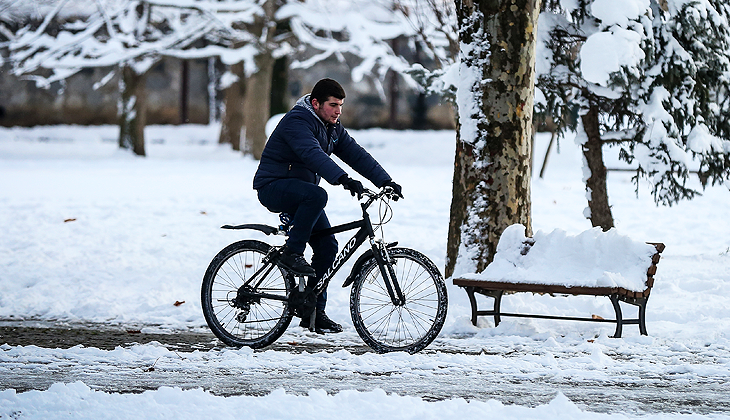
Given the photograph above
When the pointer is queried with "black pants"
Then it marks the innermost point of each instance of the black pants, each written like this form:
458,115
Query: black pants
305,202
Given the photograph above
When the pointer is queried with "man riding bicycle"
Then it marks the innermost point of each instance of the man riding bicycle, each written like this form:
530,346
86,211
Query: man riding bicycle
296,156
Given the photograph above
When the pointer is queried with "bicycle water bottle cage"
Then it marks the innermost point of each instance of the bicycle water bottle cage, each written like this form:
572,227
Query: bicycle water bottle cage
286,222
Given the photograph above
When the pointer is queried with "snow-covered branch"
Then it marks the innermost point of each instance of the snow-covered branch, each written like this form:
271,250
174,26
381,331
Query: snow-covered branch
338,27
655,70
128,31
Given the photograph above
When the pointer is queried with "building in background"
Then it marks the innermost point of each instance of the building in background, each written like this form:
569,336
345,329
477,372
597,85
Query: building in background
186,92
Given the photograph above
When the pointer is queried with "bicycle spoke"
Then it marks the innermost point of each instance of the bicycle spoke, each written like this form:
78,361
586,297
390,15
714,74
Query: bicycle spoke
245,318
410,326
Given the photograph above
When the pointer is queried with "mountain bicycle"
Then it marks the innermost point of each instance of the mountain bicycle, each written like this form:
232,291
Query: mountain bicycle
398,298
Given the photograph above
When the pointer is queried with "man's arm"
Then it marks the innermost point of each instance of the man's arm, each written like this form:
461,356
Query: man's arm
359,159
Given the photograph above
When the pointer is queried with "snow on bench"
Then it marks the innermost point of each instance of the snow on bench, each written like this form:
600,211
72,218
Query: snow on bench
592,263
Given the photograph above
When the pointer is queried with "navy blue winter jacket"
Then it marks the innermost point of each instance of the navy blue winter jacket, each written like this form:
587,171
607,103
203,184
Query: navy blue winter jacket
301,145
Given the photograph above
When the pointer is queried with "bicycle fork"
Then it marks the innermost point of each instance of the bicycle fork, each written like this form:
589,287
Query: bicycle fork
385,264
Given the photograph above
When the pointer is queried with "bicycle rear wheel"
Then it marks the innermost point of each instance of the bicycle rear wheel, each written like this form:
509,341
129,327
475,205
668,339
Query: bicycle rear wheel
414,325
234,314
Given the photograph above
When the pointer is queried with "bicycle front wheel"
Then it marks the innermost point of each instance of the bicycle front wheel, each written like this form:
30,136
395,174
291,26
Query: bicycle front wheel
409,327
237,314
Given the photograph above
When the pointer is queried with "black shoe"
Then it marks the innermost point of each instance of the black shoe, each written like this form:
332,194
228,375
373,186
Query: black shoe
322,323
296,263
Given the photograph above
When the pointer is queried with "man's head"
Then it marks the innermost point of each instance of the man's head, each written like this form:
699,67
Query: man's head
327,98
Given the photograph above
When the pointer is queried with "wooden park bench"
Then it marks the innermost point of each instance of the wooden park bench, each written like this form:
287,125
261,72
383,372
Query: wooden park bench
496,289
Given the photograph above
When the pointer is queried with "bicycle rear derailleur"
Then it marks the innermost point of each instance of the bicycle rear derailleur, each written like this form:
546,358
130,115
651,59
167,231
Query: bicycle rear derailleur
243,301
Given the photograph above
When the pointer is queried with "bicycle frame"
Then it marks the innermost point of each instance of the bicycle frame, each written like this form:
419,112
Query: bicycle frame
379,252
365,231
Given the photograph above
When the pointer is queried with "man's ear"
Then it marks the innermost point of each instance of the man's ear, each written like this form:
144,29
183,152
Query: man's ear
315,104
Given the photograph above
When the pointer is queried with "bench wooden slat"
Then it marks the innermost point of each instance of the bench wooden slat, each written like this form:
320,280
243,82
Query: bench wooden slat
537,288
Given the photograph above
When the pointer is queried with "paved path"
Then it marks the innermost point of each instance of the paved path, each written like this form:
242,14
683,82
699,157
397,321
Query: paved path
647,395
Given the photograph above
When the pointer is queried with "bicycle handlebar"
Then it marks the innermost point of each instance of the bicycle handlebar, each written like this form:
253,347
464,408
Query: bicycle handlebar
376,195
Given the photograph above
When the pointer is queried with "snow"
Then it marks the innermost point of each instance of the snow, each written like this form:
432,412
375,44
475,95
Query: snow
569,5
634,62
701,141
701,9
227,79
130,39
590,259
472,59
618,12
366,27
612,45
605,53
78,401
89,233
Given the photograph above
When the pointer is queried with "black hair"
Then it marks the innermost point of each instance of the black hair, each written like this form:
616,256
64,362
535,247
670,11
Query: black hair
326,88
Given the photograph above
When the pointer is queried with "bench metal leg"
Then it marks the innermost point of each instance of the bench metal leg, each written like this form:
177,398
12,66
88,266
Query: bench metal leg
619,317
497,313
473,302
642,317
497,306
475,312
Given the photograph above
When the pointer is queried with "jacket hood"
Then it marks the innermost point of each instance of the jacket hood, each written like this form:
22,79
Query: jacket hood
306,103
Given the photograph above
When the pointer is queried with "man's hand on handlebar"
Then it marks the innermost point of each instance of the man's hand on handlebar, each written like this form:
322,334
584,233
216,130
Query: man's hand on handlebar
390,188
397,189
352,185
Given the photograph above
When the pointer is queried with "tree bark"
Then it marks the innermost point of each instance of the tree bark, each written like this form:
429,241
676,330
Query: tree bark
600,211
257,104
280,87
232,119
132,110
491,188
184,91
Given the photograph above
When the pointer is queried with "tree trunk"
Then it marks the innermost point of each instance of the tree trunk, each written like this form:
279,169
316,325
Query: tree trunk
232,118
132,110
257,104
491,188
393,92
600,211
280,87
184,91
393,99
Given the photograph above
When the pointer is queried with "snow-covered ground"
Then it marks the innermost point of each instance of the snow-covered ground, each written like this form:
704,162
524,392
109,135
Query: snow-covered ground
92,234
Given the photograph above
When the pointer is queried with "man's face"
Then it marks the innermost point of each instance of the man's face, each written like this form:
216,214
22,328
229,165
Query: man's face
330,110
